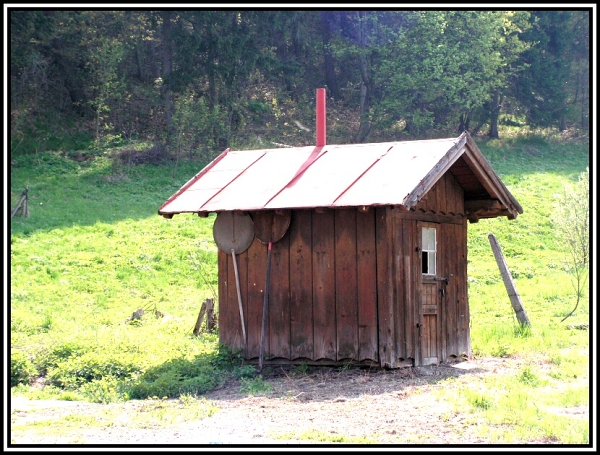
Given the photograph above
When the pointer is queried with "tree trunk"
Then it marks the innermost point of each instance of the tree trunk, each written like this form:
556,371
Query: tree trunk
330,75
212,88
365,88
464,122
74,86
167,60
496,103
563,122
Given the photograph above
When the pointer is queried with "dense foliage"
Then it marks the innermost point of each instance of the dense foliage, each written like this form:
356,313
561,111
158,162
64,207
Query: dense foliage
197,81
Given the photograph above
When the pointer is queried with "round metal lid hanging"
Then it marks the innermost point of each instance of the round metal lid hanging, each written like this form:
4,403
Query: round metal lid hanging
233,233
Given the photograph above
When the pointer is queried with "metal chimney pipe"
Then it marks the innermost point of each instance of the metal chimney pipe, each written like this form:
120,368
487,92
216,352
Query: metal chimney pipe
321,111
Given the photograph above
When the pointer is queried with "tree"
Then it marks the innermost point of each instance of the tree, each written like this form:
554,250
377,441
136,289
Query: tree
108,84
447,68
509,46
572,224
327,18
362,44
556,65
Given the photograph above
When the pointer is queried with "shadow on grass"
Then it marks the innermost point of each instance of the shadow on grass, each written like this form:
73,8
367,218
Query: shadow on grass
65,193
182,376
325,383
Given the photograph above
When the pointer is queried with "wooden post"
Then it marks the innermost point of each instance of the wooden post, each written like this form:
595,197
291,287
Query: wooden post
207,309
26,203
22,204
515,299
211,320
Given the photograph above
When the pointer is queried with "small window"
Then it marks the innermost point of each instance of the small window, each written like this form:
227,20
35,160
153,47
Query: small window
428,250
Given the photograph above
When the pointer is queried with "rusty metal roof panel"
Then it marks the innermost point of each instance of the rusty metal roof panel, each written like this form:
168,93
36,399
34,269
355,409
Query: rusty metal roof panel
262,180
330,176
393,177
392,173
306,177
211,181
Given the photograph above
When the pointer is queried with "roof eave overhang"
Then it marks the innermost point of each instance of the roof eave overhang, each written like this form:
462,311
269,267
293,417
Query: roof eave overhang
442,166
500,203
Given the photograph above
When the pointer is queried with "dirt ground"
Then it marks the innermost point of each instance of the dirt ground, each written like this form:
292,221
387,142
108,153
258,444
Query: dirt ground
372,405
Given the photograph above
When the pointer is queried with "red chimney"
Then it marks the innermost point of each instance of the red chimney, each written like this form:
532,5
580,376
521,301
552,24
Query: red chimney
321,134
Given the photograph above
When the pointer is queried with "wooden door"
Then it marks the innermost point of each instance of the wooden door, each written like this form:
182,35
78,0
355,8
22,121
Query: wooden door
433,282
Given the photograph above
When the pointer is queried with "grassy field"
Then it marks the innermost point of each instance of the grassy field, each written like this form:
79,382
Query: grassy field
94,250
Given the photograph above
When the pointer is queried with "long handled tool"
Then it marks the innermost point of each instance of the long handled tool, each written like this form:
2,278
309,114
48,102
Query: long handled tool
265,311
269,227
239,294
234,233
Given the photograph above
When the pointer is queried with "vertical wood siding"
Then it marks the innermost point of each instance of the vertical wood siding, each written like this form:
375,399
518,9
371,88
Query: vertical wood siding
345,285
279,300
323,263
346,289
257,271
301,289
367,285
385,288
323,298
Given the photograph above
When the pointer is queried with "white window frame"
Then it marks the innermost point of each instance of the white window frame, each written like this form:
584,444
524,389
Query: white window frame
428,254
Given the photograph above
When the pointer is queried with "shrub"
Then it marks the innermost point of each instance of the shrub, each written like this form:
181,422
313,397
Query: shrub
50,358
155,154
175,377
76,371
105,390
171,384
22,370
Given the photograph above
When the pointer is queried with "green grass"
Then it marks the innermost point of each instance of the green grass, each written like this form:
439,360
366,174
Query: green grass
151,413
314,435
530,405
94,250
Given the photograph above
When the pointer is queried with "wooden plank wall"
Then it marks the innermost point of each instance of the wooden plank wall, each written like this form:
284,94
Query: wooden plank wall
464,335
385,288
367,285
301,289
254,299
323,263
404,287
344,283
323,290
346,288
279,301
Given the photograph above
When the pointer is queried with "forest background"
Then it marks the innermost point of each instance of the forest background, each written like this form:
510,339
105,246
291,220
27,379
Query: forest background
191,83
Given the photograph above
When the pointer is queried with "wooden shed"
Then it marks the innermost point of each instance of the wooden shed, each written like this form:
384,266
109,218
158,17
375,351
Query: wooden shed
373,266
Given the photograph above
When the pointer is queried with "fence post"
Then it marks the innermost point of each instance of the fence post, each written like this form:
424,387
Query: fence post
207,308
515,299
22,204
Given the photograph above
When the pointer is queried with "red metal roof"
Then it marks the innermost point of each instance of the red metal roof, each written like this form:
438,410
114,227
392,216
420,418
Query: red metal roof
390,173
